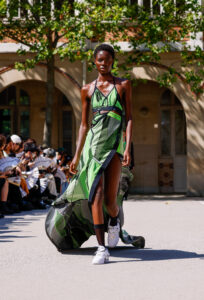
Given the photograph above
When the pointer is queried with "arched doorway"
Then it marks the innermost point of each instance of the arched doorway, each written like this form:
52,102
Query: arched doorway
172,150
159,138
22,111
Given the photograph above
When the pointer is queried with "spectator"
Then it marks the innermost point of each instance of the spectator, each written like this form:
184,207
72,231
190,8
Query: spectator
64,161
29,174
4,185
16,144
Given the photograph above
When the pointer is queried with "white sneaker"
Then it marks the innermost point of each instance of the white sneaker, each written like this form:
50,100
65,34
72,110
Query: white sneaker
101,256
113,234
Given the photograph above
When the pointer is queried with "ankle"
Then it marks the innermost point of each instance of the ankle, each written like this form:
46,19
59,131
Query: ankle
114,220
99,230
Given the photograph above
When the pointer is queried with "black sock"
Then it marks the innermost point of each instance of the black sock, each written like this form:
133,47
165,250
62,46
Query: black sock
99,230
113,220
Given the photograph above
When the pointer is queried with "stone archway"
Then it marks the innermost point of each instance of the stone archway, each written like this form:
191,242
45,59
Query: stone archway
62,82
194,111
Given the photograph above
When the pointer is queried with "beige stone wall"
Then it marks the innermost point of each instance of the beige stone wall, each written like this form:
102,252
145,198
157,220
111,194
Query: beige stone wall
194,112
195,158
146,136
36,91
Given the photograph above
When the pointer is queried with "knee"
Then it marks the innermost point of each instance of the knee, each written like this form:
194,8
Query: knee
110,205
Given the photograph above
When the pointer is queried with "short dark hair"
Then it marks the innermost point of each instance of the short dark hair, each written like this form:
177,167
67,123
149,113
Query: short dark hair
104,47
30,147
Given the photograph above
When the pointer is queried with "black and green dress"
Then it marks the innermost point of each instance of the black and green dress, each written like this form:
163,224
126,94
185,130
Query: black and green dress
69,221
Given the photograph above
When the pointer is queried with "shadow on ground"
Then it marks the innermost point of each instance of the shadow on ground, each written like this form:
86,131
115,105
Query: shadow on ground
14,223
131,254
163,197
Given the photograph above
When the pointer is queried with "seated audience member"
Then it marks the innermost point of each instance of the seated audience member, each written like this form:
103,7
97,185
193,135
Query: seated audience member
19,153
8,147
60,177
47,181
4,185
64,160
32,175
16,144
10,167
33,141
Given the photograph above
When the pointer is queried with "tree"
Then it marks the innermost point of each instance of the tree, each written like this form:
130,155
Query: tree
54,27
163,28
51,28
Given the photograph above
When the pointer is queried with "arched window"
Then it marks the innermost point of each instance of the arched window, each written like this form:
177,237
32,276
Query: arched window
172,156
67,127
15,111
24,122
173,125
166,98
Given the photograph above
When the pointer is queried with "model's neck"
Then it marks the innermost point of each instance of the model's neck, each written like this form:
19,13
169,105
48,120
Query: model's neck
105,77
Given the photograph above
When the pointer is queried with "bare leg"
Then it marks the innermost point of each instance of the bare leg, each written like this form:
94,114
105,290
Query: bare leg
3,203
97,205
112,178
4,191
97,212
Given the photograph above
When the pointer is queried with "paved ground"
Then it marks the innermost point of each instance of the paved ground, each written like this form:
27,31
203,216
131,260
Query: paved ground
171,267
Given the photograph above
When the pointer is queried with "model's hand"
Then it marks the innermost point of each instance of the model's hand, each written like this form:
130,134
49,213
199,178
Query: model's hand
73,166
126,159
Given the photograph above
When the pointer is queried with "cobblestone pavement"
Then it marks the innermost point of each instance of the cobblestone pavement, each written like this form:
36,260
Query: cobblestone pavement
171,267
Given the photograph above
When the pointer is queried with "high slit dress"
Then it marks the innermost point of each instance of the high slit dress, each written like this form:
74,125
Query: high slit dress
69,221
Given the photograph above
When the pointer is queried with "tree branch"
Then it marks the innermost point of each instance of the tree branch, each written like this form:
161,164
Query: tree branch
15,38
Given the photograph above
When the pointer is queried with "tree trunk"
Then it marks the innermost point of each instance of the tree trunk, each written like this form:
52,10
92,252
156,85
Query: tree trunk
47,132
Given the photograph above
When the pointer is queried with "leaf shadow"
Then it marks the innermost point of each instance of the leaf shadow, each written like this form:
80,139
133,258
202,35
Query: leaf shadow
132,254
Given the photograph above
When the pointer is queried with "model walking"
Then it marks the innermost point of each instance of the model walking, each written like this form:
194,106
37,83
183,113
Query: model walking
91,197
108,96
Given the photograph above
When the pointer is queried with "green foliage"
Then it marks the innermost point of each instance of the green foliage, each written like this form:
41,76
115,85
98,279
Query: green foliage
159,32
62,31
66,30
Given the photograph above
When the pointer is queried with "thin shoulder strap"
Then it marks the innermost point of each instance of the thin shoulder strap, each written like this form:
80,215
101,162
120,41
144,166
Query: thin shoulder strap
95,84
94,89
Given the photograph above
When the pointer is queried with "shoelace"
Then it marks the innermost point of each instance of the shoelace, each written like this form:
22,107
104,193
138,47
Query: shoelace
101,251
114,228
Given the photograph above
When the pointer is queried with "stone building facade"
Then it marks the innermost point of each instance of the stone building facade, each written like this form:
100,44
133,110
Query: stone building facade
168,134
168,124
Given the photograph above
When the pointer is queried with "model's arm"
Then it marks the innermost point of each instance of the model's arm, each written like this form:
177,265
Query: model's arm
128,118
83,129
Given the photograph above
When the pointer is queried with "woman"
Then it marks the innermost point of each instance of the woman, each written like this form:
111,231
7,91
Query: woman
108,96
97,169
4,185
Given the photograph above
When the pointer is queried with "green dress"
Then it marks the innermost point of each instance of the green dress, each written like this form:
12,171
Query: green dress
103,140
69,221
